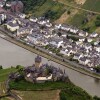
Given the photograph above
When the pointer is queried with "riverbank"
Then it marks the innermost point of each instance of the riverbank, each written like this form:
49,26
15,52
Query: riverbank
48,56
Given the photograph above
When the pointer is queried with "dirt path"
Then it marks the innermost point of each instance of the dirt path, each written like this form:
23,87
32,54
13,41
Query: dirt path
57,95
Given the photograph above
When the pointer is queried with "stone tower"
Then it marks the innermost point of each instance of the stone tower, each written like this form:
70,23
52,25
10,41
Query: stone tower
38,61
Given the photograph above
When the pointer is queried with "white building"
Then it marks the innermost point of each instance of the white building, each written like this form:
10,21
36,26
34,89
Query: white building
12,26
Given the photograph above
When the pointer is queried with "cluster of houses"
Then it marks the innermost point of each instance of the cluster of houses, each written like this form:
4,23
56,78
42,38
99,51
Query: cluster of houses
39,31
86,50
40,73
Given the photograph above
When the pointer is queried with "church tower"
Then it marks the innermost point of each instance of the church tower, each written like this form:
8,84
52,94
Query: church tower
38,61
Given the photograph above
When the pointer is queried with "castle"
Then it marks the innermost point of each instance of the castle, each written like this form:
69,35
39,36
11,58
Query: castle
43,72
40,73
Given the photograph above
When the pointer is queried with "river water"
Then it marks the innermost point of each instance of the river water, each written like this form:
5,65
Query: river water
12,55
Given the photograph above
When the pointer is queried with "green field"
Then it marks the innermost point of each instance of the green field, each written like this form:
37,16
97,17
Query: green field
38,95
78,19
93,5
5,72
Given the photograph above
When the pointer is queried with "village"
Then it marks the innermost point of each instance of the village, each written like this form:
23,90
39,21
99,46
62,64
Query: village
64,40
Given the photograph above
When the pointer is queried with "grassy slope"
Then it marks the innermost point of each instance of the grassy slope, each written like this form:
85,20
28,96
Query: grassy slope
93,5
78,19
70,91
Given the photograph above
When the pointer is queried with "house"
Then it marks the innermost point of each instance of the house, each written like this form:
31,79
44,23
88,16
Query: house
97,48
16,6
48,24
33,19
73,30
56,42
21,15
42,42
12,26
43,21
8,4
34,37
23,22
82,39
64,45
57,26
89,39
77,56
97,42
24,30
65,27
64,52
93,35
88,46
3,17
79,43
82,33
90,64
84,60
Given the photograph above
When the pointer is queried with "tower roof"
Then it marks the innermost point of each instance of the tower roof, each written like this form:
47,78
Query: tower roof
38,59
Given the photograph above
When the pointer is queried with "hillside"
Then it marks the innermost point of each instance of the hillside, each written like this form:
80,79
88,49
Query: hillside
80,13
48,91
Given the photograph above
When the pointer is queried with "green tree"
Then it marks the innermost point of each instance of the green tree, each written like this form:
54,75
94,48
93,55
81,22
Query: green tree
68,12
97,69
96,98
97,23
1,67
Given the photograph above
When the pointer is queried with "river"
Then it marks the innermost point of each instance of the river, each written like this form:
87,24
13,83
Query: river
12,55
